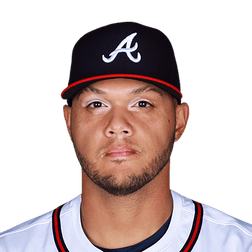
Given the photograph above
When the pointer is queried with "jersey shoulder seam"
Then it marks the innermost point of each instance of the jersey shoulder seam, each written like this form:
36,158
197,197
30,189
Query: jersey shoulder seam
221,223
31,226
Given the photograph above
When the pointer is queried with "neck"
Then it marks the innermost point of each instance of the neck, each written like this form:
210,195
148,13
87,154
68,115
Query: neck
120,221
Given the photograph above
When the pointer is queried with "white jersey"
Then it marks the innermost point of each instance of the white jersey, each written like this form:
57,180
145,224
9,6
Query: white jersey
193,227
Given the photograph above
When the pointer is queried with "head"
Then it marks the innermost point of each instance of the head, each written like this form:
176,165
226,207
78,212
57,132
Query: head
123,123
123,132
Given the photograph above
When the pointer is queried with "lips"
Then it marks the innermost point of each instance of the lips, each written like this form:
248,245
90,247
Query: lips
123,151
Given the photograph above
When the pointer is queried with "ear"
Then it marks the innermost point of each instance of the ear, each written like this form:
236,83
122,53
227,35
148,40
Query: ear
67,114
182,114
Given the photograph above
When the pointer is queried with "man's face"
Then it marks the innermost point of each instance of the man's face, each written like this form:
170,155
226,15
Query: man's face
123,132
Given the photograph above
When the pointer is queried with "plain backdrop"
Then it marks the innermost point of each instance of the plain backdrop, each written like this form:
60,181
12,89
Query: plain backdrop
212,41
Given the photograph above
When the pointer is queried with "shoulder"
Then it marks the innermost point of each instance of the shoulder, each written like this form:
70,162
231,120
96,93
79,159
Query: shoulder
37,231
221,227
26,234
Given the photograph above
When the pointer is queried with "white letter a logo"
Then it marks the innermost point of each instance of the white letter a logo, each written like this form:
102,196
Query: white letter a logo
127,50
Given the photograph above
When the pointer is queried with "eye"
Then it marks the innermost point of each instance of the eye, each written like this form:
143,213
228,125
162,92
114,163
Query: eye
95,104
144,104
98,104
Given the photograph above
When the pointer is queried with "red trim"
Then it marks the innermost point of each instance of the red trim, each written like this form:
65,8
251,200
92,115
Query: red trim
107,76
57,230
192,239
196,228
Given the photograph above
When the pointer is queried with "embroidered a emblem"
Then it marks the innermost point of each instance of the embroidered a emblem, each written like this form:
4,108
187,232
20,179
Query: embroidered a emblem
128,50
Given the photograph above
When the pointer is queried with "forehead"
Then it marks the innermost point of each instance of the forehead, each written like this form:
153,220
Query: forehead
122,86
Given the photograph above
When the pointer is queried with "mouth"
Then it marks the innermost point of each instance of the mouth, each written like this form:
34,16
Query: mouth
120,154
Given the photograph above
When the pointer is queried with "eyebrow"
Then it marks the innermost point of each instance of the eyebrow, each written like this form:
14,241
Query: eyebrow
147,88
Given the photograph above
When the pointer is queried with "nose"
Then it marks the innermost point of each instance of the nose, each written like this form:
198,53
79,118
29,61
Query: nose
119,125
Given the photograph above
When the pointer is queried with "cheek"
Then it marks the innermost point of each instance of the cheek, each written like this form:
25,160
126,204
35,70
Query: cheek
76,126
153,131
84,131
161,122
157,130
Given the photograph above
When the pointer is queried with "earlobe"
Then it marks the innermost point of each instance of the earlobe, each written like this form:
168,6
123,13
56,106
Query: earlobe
67,114
182,114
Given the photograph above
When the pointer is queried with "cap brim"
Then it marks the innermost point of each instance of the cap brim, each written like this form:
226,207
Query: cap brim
77,86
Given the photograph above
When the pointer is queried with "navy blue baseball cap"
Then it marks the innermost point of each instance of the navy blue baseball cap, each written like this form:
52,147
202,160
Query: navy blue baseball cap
123,50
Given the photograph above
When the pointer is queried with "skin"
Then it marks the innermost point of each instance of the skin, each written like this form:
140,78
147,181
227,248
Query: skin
110,114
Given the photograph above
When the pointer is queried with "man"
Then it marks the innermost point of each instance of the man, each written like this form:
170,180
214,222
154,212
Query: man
124,114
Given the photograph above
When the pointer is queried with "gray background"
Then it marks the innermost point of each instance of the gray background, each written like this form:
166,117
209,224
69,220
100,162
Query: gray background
212,40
